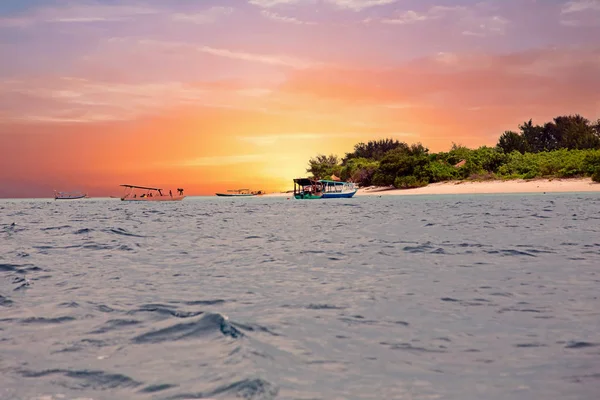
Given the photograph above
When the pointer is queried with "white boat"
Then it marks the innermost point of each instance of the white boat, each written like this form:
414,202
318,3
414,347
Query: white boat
69,195
144,193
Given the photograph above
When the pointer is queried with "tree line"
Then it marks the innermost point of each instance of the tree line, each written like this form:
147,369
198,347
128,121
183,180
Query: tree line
568,146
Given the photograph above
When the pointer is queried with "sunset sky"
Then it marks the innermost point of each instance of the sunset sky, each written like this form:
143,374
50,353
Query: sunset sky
220,94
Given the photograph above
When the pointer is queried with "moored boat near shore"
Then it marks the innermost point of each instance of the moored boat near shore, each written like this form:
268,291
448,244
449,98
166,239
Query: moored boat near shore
150,194
307,189
337,189
310,189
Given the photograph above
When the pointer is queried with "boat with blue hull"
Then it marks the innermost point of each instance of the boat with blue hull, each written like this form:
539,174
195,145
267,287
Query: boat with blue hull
310,189
338,189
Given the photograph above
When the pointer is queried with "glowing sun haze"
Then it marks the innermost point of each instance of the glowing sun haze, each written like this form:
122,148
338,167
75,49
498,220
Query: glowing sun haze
217,94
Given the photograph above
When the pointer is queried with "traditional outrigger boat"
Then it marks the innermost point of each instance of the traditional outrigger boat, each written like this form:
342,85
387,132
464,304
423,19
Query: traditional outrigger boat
150,194
69,195
305,188
239,193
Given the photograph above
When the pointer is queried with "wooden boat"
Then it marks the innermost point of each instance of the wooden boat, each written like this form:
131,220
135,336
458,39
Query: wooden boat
308,189
305,188
149,194
338,189
239,193
69,195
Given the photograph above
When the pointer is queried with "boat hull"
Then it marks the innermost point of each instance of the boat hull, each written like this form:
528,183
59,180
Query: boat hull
340,195
71,198
154,198
234,195
302,196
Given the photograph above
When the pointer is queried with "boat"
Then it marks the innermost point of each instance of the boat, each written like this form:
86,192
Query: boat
239,193
69,195
149,194
305,188
309,189
338,189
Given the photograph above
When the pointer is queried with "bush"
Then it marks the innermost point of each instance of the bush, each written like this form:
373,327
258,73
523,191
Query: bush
409,182
596,176
441,171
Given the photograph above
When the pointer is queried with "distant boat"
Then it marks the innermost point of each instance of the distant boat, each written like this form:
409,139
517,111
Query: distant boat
149,194
239,193
305,188
69,195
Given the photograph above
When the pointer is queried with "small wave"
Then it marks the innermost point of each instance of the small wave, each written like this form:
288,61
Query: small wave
23,283
97,246
5,301
83,231
121,231
410,347
528,310
324,307
165,310
70,304
254,328
358,319
114,324
86,379
510,252
19,268
157,388
579,345
582,378
43,320
249,389
209,323
204,302
423,248
54,228
450,299
530,345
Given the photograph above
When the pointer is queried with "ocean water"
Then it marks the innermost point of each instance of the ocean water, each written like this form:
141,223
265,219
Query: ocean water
447,297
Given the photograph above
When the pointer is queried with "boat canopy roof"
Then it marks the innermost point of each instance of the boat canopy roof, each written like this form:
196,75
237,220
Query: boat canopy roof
140,187
335,182
305,181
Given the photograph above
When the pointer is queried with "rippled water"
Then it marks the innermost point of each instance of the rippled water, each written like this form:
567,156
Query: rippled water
451,297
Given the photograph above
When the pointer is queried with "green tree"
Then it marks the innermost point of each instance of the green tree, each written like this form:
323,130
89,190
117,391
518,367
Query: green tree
511,141
401,163
374,149
575,132
322,166
535,137
359,170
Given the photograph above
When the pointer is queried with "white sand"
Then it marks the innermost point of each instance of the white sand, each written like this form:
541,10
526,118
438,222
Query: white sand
484,187
512,186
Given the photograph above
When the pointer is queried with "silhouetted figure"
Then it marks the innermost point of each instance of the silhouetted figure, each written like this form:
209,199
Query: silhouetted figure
170,194
180,192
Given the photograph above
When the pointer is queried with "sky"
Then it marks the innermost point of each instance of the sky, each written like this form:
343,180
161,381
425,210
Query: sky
211,95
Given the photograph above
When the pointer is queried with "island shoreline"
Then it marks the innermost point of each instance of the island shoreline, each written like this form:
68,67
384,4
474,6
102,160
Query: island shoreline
515,186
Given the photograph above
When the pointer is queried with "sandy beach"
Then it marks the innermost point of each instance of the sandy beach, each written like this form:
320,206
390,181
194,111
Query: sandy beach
485,187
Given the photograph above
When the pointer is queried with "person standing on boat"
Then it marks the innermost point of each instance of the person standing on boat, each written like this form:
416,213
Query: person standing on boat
170,194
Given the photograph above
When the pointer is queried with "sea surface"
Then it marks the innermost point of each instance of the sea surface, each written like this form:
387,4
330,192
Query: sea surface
463,297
